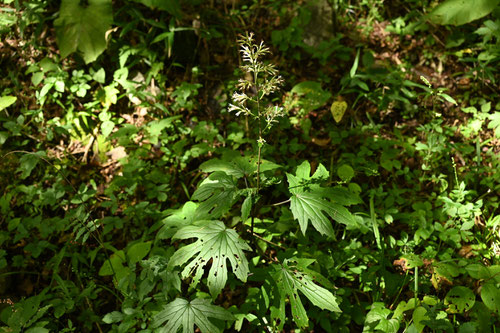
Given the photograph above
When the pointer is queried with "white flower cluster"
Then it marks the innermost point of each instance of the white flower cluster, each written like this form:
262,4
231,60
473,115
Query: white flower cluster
265,81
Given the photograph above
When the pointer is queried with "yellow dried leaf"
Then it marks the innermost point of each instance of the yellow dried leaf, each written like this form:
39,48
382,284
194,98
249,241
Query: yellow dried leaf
321,142
338,109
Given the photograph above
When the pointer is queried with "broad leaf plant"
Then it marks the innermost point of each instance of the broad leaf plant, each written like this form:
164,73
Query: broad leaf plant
233,187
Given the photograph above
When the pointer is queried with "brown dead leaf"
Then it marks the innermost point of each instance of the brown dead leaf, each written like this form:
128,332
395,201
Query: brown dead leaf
117,153
438,281
466,251
400,264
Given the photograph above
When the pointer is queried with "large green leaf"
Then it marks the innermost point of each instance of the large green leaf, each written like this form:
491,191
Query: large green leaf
308,201
181,313
459,299
302,181
313,96
239,166
290,279
377,319
312,207
83,28
138,251
115,266
490,294
6,101
215,244
181,217
458,12
217,194
28,162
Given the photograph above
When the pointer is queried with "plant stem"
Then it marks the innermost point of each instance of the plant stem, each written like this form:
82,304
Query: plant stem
281,203
416,286
268,242
259,147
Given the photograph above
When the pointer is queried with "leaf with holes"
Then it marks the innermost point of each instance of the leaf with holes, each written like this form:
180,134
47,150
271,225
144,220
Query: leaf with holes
83,27
460,299
290,279
217,244
308,201
181,313
490,294
217,194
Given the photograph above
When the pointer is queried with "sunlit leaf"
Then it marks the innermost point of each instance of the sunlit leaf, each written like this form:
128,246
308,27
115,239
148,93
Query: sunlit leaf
107,127
377,319
412,260
182,313
237,166
460,299
354,67
490,294
345,172
113,317
6,101
458,12
290,279
495,123
309,203
314,96
338,109
217,194
420,315
216,244
83,27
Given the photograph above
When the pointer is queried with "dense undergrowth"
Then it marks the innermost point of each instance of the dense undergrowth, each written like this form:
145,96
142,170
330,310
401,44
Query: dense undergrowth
164,169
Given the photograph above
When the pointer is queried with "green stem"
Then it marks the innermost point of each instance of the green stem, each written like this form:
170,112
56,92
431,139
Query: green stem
281,203
373,218
416,286
259,145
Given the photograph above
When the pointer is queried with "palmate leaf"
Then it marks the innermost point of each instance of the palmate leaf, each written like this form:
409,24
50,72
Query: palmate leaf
308,201
238,166
217,244
310,206
179,218
290,279
181,313
83,28
217,194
